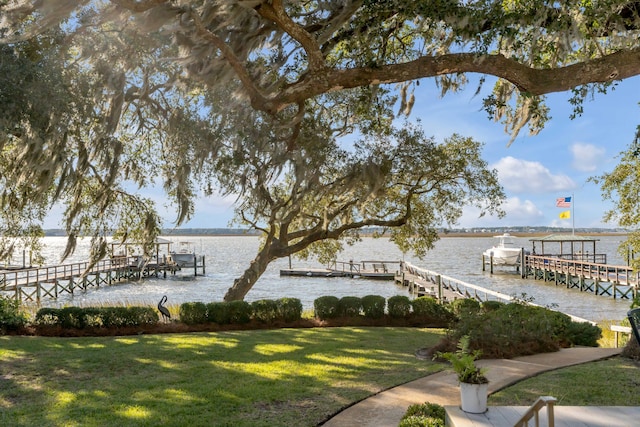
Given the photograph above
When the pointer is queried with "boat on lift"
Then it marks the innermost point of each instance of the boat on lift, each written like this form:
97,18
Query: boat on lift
505,252
185,255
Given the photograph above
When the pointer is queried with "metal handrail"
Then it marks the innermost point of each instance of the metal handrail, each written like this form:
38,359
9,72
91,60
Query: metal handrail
534,412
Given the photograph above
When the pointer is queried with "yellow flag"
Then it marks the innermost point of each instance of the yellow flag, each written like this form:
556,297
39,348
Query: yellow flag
565,215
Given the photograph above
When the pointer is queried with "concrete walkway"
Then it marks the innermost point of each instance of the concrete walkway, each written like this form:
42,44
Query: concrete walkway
385,409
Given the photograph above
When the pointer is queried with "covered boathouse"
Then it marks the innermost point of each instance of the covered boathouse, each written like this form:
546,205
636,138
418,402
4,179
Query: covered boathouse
568,246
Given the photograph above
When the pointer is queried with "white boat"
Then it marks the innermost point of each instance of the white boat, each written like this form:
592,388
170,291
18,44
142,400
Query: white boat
185,256
505,252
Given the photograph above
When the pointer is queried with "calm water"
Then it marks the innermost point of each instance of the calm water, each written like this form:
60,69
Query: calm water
227,257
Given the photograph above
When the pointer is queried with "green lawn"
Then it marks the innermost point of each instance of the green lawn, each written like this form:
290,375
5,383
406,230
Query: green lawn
612,382
281,377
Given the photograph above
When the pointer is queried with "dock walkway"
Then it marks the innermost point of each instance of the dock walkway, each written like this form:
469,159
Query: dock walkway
35,283
601,279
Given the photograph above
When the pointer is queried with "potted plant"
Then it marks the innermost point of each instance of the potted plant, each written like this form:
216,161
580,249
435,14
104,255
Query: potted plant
473,382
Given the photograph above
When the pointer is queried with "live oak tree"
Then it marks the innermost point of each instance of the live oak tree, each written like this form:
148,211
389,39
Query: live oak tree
403,182
162,81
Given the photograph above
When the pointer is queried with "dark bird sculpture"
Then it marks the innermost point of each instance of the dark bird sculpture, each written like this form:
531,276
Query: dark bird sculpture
163,310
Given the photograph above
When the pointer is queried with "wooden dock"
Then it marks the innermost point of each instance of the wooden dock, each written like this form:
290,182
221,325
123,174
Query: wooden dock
375,270
424,282
35,283
600,279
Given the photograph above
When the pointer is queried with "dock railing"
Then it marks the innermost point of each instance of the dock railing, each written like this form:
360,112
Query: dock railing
32,276
621,274
367,265
468,290
464,289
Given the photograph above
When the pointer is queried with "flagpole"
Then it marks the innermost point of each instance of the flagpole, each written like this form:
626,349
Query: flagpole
573,214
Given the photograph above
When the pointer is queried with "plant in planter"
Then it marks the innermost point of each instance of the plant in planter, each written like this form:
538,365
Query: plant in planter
473,382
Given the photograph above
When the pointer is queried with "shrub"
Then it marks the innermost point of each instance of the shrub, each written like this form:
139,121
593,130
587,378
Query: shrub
420,421
465,306
517,329
424,415
73,317
239,311
289,309
218,312
428,309
80,318
583,333
140,316
399,306
326,307
349,306
11,317
373,306
47,316
265,310
491,305
424,306
193,313
114,317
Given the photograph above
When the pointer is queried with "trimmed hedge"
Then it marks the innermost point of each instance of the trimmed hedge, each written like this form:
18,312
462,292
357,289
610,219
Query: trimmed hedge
95,317
326,307
373,306
225,313
265,310
349,306
239,312
218,312
193,313
399,306
289,309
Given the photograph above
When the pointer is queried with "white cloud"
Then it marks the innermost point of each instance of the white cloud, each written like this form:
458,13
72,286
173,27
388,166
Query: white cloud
522,210
522,176
586,157
518,212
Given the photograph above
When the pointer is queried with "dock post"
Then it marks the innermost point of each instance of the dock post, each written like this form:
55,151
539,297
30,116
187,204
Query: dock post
439,282
523,264
483,263
195,265
203,267
491,262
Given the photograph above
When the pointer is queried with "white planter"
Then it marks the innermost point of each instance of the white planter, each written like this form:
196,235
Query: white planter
473,397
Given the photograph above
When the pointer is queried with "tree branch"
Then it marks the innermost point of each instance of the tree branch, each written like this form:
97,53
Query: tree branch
615,66
276,13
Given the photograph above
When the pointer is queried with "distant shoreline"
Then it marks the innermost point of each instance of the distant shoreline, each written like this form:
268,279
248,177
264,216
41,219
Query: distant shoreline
218,232
532,234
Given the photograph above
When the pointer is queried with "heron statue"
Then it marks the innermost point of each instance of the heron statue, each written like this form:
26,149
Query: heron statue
164,311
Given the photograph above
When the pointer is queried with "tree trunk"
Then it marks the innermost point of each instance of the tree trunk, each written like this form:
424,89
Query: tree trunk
243,284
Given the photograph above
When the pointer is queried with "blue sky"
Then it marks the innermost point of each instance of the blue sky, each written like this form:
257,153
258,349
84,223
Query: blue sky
534,170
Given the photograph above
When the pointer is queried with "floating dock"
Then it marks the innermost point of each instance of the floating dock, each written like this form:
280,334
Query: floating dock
376,270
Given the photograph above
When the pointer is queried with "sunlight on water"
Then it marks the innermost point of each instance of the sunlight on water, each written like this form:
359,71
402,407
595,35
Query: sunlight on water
227,257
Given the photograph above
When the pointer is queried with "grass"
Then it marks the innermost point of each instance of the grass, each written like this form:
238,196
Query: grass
611,382
277,377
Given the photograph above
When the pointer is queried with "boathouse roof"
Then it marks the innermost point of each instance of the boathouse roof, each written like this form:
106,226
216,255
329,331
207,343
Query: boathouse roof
564,238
